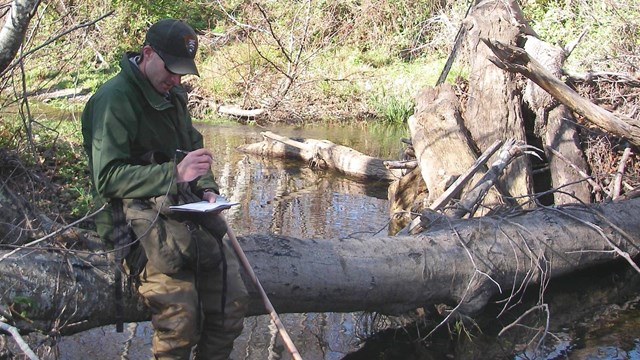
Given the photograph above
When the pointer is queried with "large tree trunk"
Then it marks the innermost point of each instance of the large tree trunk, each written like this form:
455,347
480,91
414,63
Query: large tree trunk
441,144
466,262
493,110
555,125
439,139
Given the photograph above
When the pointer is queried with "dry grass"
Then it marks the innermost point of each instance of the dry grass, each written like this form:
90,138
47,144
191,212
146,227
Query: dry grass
604,151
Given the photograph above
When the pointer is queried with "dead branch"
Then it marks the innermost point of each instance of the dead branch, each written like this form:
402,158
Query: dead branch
515,59
509,151
323,154
607,76
18,339
617,182
462,180
236,111
405,164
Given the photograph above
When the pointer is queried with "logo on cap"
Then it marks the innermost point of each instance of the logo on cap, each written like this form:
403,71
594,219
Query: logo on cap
191,45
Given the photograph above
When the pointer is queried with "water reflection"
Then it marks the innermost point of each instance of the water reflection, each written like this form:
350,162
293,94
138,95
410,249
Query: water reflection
289,198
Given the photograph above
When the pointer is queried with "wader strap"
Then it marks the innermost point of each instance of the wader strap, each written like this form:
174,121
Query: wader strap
224,278
122,242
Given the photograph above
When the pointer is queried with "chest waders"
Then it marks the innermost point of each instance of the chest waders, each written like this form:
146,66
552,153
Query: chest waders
128,249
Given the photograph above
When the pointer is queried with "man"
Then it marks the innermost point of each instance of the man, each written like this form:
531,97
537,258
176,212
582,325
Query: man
136,129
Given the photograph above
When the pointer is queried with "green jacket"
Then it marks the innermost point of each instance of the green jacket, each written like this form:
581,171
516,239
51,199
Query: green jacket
127,119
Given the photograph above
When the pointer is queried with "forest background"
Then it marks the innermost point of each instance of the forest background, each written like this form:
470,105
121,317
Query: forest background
301,61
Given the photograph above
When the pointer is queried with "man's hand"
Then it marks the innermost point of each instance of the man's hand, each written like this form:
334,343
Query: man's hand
212,197
195,163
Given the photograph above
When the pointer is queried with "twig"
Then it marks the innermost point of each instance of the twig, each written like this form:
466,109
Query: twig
133,327
617,183
599,230
21,343
543,307
568,49
454,310
235,21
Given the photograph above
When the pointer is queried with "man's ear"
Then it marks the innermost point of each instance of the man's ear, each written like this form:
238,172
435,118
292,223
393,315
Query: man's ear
146,51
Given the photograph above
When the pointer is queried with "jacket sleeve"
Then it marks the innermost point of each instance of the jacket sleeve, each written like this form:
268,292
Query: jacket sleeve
115,175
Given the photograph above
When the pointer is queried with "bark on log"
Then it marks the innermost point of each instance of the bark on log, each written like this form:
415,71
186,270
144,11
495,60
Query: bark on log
466,261
515,59
494,107
324,154
440,141
407,196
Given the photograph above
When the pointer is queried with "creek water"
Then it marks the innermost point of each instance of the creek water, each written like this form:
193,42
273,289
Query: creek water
288,198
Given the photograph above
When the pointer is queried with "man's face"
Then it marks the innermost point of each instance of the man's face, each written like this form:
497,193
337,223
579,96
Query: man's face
157,73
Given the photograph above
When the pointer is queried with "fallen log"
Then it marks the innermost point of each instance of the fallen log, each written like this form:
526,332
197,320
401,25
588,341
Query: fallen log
323,154
515,59
236,111
401,164
468,262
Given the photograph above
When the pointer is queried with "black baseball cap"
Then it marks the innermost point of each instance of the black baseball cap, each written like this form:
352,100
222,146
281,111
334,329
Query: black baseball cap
176,43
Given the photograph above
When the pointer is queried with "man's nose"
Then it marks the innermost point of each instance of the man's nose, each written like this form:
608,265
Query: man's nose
175,79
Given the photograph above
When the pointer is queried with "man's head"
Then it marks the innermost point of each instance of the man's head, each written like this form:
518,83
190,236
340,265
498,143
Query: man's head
176,43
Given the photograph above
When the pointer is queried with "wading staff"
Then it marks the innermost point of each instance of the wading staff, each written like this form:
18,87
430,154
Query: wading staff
267,303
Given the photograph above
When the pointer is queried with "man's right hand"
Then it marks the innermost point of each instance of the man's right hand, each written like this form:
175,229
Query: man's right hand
195,163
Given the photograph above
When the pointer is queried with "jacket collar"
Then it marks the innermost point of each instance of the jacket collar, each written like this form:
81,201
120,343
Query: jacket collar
135,76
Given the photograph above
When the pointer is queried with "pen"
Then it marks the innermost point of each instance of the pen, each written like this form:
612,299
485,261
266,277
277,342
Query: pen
185,152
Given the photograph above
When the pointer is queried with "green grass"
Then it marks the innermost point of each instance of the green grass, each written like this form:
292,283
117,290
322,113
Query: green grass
612,31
